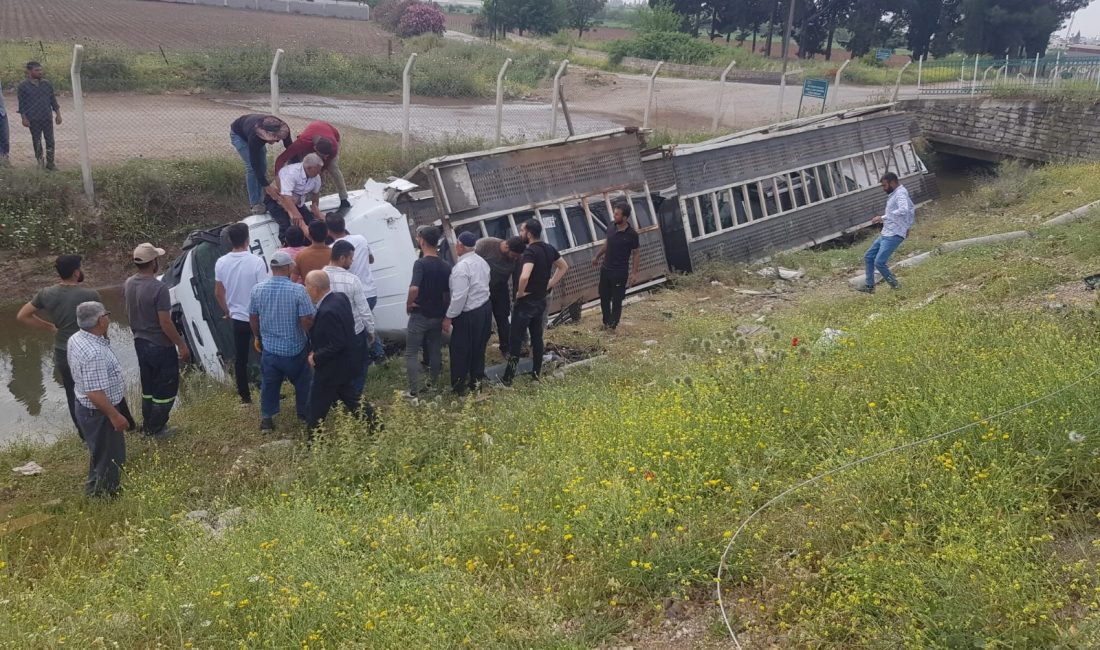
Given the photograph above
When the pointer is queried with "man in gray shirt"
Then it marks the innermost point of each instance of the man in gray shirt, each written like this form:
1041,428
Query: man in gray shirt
155,340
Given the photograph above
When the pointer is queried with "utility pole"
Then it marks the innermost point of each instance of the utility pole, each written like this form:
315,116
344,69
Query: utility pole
786,57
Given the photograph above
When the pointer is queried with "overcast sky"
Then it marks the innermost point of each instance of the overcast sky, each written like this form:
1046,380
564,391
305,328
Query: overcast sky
1088,20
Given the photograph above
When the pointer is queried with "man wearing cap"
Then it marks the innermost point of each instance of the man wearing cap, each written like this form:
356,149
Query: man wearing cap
287,194
250,134
100,396
158,343
322,139
281,313
343,281
235,274
59,303
469,315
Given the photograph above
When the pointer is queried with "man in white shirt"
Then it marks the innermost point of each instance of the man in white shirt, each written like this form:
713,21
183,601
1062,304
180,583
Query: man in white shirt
235,274
341,280
469,315
360,266
896,222
285,198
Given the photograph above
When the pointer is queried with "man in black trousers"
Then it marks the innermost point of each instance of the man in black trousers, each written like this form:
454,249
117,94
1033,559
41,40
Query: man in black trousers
39,111
470,314
335,355
619,270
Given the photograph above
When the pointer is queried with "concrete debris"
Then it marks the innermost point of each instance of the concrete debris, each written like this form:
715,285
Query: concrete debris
216,526
649,342
716,283
829,337
276,444
982,241
30,469
749,331
1073,192
197,515
782,273
1054,306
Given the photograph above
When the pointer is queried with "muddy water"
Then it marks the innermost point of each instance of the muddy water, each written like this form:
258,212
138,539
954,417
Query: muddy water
32,401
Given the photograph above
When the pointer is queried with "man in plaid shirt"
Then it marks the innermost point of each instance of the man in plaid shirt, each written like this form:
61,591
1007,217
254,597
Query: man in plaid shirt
101,411
342,280
281,313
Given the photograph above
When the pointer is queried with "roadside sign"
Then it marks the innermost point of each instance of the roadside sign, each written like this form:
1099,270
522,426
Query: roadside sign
883,54
816,88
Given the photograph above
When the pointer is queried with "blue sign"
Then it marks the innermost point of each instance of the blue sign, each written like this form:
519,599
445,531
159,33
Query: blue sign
883,54
816,88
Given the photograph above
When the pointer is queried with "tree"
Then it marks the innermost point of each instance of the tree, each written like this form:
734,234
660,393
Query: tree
930,21
582,14
421,19
694,12
659,17
537,16
1013,27
868,25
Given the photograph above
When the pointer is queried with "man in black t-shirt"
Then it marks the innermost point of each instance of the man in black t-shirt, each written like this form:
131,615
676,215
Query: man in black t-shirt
429,295
617,273
541,269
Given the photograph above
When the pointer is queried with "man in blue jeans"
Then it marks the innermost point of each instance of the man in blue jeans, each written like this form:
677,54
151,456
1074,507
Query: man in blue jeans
899,218
281,313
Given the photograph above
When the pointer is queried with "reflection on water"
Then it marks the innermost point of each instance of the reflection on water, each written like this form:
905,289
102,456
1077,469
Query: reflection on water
32,402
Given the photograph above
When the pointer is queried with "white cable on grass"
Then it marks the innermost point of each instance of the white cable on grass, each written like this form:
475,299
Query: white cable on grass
842,468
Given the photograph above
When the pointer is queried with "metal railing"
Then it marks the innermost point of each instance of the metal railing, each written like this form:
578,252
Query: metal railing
977,75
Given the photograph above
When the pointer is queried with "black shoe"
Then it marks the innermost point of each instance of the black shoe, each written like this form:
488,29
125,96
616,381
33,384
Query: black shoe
895,285
267,425
866,289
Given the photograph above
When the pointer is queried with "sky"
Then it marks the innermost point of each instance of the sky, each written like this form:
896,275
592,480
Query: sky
1087,20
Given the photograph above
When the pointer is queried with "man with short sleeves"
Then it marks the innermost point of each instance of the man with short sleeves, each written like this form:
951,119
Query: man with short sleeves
502,256
620,248
100,395
235,274
280,313
344,282
469,315
59,303
896,222
287,195
360,266
541,269
322,139
158,343
426,305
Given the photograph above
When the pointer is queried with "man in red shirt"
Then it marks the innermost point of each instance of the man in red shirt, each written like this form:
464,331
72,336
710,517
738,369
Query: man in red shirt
323,139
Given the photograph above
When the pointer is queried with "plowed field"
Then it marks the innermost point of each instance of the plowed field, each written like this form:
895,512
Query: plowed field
148,25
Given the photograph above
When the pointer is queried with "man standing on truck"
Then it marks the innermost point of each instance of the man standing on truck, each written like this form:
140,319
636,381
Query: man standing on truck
235,273
39,110
322,139
896,222
250,134
620,248
287,195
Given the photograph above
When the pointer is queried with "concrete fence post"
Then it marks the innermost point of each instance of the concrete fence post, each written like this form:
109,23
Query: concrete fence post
1057,68
81,125
721,96
1035,72
974,79
554,98
836,82
500,99
406,102
920,73
275,64
897,84
649,93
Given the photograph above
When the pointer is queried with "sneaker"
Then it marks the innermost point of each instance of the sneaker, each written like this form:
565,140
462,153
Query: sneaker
259,208
267,425
409,395
896,285
866,289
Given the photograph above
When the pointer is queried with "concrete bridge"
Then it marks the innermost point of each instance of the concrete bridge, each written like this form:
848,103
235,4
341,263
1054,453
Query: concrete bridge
1037,130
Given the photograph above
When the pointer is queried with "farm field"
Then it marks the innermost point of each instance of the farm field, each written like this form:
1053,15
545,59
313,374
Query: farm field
149,25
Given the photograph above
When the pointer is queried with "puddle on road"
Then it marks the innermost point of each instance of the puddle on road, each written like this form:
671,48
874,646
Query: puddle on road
32,401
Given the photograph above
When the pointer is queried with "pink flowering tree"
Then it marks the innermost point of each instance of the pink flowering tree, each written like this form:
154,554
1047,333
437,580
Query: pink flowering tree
420,19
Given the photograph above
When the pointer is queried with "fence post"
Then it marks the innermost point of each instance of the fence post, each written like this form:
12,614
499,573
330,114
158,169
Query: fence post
974,79
1057,66
721,95
500,98
920,73
554,98
275,81
649,93
406,102
81,127
897,84
1035,72
836,82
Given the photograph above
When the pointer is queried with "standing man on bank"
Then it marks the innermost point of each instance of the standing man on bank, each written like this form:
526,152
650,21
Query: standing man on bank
322,139
335,355
235,274
280,314
39,111
426,306
620,255
542,268
502,256
59,303
469,315
101,399
360,266
899,218
343,281
250,134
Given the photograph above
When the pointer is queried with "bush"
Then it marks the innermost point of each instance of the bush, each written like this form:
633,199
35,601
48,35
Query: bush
388,15
420,19
673,47
662,18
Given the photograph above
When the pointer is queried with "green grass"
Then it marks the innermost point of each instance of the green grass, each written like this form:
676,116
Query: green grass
562,515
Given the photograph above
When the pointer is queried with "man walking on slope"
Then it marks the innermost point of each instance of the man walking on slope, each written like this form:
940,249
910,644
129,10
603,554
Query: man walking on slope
899,218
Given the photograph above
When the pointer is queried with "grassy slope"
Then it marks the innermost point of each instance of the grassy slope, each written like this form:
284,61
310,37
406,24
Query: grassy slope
560,516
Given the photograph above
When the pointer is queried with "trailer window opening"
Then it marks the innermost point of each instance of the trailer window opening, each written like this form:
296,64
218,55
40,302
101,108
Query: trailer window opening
578,224
553,228
689,213
706,211
725,209
498,227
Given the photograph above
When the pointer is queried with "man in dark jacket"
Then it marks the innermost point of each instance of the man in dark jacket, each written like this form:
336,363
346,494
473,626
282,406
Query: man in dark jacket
250,135
335,354
39,111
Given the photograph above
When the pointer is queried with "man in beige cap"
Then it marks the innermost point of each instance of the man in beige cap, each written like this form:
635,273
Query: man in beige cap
156,340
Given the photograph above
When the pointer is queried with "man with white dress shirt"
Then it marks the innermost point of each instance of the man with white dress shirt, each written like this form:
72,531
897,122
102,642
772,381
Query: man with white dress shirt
287,194
469,316
360,266
342,280
896,222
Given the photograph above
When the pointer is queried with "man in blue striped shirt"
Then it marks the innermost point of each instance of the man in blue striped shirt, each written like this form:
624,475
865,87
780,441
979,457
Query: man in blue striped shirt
281,313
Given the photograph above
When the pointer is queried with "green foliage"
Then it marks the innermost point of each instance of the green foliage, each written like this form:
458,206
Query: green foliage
659,18
674,47
581,15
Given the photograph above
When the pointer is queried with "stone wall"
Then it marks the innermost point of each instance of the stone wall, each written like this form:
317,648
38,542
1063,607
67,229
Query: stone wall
996,129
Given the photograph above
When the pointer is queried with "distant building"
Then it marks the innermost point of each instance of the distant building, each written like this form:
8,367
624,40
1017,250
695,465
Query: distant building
1084,48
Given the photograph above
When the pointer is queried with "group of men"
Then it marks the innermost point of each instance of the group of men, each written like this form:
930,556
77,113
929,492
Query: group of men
38,111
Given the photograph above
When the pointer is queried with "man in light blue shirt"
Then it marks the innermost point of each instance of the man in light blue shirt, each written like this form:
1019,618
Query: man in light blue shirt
896,222
5,145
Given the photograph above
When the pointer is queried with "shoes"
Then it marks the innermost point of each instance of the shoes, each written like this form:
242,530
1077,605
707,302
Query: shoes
259,208
866,289
267,425
409,395
896,285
